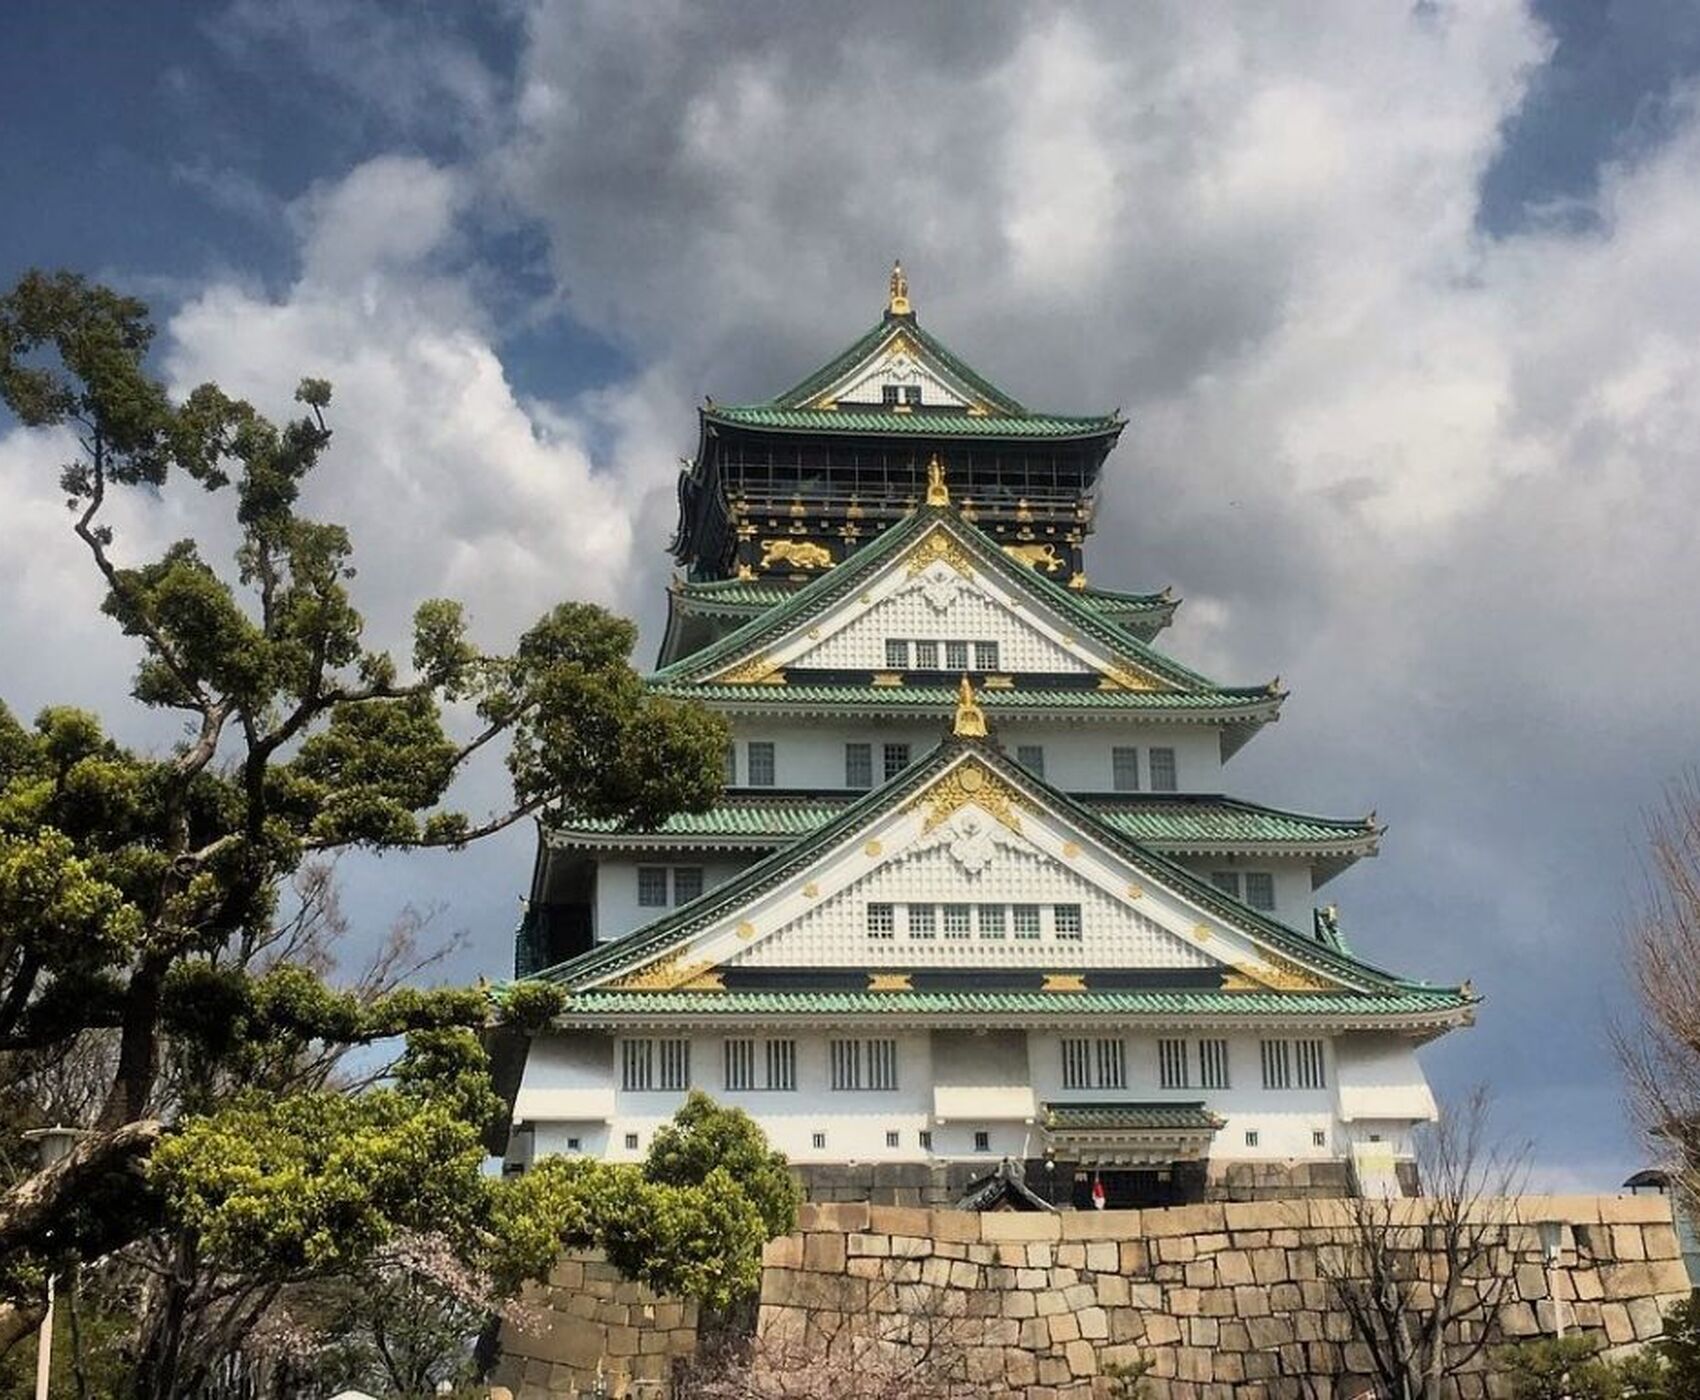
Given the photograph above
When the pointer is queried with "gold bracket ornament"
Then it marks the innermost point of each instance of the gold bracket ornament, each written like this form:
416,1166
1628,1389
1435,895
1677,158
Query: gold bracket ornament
665,974
939,547
889,982
969,783
1063,982
758,670
938,492
970,718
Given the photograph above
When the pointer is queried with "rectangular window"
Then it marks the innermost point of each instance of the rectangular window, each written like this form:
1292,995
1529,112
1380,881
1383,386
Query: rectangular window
1313,1073
637,1065
1032,758
882,921
889,395
882,1064
991,921
1319,1138
1067,918
1213,1064
912,395
1162,763
572,1144
896,759
1277,1065
675,1064
1260,889
896,654
782,1065
985,656
926,656
1112,1064
740,1065
1171,1064
923,921
761,763
1228,881
1251,1137
687,883
1025,918
819,1141
729,766
891,1139
652,886
1077,1064
631,1142
982,1142
846,1064
858,765
926,1140
956,656
1124,769
958,920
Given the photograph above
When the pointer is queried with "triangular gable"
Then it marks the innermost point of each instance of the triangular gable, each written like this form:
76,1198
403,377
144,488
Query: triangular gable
917,573
966,807
900,348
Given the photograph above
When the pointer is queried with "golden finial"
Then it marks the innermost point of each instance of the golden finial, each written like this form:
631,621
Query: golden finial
1078,581
899,303
970,718
938,494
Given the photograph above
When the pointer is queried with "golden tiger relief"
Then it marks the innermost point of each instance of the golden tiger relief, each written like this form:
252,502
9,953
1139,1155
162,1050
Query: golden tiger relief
1040,556
799,554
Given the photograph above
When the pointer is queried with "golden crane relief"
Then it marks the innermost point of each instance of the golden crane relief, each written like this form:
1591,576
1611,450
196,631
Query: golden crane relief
898,304
799,554
1040,556
938,493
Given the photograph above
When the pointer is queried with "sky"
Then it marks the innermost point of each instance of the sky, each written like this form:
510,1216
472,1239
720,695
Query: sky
1401,302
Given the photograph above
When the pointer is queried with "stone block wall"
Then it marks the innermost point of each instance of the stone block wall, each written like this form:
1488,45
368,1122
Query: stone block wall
1224,1299
590,1326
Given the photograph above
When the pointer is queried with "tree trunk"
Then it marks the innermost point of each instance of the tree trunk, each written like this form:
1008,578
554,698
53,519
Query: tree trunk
28,1211
138,1044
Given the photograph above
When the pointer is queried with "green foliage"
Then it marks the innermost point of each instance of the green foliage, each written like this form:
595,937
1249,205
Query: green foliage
704,1138
1679,1347
1127,1379
530,1005
1569,1368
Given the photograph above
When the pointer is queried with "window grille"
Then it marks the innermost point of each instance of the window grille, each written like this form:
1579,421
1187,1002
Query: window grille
1213,1064
761,763
897,653
1077,1064
1032,758
926,656
1311,1066
652,886
675,1064
923,922
729,765
1228,881
1319,1138
891,1139
882,1064
956,656
637,1065
631,1142
572,1144
1171,1064
985,656
982,1142
782,1065
1067,919
1025,918
896,759
991,921
687,883
1251,1137
740,1065
1162,764
958,921
819,1141
1112,1064
1124,769
858,765
889,395
926,1140
1277,1065
846,1058
882,921
1260,889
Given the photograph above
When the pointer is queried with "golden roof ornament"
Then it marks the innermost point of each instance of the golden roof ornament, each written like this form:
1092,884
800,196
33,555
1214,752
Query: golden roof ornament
970,718
938,493
899,303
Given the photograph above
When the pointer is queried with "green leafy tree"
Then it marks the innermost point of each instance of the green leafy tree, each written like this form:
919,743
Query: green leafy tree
1570,1368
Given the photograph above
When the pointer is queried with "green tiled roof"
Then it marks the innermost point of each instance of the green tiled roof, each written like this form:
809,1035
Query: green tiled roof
1408,1001
1182,1117
851,419
1235,701
758,593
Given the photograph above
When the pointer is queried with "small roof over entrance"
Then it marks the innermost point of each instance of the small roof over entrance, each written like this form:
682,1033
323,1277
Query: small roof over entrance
1130,1134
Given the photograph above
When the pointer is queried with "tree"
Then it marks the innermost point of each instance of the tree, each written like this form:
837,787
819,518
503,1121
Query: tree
1570,1368
1420,1280
131,882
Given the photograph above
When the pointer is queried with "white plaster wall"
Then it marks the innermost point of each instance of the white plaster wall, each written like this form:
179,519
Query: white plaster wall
1294,898
970,616
617,909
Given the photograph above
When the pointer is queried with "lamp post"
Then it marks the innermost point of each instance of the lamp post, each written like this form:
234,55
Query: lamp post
1552,1241
51,1145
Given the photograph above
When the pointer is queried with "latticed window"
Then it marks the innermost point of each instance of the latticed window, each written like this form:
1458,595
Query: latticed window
985,656
926,656
896,759
782,1064
1032,758
637,1065
1171,1064
858,765
1077,1064
1025,919
1260,889
846,1060
1124,769
761,763
675,1060
740,1065
1213,1064
882,921
1162,763
958,920
1067,920
956,656
991,921
1277,1064
897,653
1112,1064
1228,881
652,886
882,1064
729,765
1312,1069
687,883
923,922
